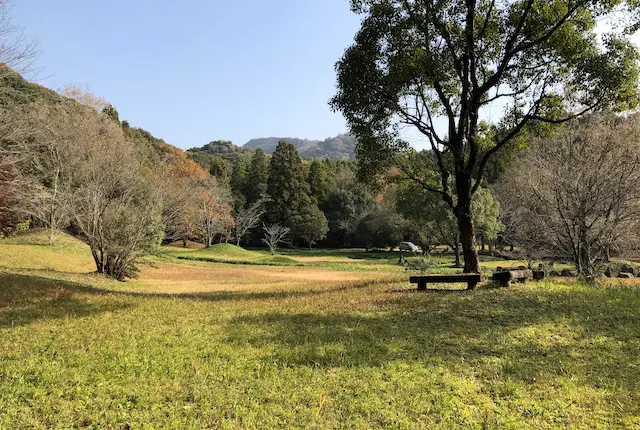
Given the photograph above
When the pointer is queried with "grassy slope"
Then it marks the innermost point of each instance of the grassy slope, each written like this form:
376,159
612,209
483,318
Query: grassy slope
276,347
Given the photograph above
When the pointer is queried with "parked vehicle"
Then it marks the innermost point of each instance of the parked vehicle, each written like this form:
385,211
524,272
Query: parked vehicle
409,247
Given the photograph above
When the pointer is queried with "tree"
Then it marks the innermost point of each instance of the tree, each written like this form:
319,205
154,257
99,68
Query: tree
486,214
16,50
238,182
111,112
50,149
287,188
178,180
576,195
212,212
381,228
84,96
319,180
274,234
310,224
14,129
114,203
430,217
248,218
419,64
257,177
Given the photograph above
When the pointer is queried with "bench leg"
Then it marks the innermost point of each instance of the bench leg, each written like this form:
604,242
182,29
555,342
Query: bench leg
471,285
422,286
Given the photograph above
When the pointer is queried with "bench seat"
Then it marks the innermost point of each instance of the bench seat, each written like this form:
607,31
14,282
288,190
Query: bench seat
471,279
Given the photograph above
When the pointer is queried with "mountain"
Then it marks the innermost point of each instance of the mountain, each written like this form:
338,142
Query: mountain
339,147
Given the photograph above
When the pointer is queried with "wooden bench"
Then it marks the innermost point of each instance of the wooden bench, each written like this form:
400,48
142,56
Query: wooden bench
505,277
471,279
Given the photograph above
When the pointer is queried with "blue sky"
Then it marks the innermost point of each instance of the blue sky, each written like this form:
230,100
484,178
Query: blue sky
199,70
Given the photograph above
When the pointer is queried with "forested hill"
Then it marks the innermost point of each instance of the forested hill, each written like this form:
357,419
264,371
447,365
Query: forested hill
339,147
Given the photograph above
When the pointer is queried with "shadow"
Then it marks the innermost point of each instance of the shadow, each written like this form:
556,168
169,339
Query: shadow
23,289
589,334
25,299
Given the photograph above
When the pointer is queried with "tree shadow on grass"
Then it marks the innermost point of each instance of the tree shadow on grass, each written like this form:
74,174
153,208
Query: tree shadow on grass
26,299
589,334
23,290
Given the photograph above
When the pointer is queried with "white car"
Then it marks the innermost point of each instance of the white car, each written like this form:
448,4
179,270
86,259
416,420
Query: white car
408,247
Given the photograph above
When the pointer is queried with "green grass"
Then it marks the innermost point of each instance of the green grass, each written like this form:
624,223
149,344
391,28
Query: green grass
275,261
203,345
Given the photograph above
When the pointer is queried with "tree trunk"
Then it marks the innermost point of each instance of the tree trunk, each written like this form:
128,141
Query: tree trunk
456,251
467,234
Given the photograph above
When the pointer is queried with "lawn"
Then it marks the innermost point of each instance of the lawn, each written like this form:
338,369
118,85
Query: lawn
201,344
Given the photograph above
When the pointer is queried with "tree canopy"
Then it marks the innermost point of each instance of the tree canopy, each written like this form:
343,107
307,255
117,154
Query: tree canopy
435,65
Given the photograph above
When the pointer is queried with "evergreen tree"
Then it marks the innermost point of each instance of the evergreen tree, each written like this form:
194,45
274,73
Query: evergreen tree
287,187
238,183
319,180
257,176
291,205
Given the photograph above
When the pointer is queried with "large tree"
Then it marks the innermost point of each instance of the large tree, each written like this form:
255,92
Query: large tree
290,203
434,65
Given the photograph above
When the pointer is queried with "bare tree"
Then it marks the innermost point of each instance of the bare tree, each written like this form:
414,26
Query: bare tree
16,50
13,129
576,195
211,212
114,202
274,234
54,140
83,95
248,218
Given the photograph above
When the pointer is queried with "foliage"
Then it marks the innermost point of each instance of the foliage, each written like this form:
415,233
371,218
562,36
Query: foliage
290,204
287,186
319,180
211,214
421,264
114,202
421,64
381,228
257,177
576,195
238,183
486,213
309,224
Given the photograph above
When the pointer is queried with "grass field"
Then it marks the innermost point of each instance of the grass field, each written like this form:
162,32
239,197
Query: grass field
341,342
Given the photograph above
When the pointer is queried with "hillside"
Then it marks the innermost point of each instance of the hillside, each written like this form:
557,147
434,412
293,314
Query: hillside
341,146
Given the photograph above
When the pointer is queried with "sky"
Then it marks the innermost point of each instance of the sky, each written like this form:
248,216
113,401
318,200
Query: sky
193,71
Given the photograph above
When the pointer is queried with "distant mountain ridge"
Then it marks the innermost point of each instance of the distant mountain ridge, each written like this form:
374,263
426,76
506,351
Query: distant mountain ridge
340,147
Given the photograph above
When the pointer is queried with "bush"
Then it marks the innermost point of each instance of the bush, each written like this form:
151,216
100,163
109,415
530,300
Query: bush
421,264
